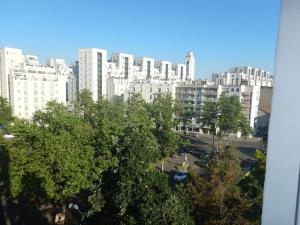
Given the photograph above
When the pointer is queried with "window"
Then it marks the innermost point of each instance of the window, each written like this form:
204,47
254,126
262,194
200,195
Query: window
167,71
148,69
158,89
126,67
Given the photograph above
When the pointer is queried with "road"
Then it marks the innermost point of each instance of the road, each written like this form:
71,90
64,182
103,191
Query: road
202,144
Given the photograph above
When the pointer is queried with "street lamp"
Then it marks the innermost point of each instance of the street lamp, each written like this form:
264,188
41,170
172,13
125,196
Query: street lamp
76,207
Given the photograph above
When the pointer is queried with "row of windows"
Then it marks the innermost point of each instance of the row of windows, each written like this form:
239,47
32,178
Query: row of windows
150,89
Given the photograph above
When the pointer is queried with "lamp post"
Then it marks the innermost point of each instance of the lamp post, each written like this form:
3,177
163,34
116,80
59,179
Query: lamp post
76,207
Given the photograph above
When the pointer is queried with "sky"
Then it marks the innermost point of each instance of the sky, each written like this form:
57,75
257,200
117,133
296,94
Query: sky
221,33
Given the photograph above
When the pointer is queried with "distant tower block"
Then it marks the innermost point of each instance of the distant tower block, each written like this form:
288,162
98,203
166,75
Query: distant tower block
190,66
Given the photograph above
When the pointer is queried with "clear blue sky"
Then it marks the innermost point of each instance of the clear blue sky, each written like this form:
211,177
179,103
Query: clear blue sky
221,33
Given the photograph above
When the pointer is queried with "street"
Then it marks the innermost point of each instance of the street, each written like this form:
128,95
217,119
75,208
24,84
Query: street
203,143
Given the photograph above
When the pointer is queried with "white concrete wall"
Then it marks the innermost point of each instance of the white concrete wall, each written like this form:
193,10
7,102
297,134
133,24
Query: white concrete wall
88,71
283,159
9,57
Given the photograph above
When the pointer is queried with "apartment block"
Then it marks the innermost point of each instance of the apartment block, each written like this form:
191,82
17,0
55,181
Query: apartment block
119,74
150,90
244,76
93,71
32,85
193,95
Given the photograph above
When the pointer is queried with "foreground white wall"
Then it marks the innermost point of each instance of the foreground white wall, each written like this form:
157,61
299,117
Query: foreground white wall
283,160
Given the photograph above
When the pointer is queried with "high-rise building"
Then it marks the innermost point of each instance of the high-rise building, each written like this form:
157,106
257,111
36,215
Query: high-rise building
118,74
9,57
73,84
190,66
93,71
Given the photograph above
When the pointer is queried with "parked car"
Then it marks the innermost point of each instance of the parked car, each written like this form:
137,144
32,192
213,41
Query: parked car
180,176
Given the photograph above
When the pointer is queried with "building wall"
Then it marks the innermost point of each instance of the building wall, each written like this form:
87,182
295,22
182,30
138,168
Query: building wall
31,87
190,66
244,75
9,57
149,91
281,190
193,95
122,70
93,71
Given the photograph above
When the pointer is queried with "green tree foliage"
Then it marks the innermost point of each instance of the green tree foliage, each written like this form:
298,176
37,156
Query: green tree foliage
52,158
162,113
5,112
225,117
183,114
252,186
134,192
101,155
216,196
209,116
229,111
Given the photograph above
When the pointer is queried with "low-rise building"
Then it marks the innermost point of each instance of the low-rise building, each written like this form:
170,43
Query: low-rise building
193,95
150,90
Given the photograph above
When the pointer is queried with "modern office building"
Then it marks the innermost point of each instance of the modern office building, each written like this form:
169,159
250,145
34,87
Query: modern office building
244,76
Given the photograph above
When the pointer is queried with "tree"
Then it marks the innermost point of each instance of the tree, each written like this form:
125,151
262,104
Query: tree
162,113
5,112
216,197
225,117
252,185
52,158
183,114
135,193
209,117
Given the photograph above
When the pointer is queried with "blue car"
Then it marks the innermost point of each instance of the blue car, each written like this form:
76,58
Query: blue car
180,176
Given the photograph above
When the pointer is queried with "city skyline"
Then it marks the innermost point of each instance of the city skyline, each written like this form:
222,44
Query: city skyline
220,35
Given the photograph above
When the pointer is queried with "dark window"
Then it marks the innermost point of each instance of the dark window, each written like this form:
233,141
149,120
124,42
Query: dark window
167,70
181,73
148,69
99,73
187,68
126,67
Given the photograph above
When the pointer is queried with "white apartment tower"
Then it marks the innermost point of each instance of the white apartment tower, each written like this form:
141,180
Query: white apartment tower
115,76
124,64
93,71
190,66
146,66
9,57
